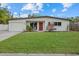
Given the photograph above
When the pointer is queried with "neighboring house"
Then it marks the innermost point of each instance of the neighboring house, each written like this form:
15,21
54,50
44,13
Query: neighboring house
41,23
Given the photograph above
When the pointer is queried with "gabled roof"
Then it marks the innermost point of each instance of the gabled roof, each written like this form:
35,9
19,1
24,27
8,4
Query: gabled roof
40,17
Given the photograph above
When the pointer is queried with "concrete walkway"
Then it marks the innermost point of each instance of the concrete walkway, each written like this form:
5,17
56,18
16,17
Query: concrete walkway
5,35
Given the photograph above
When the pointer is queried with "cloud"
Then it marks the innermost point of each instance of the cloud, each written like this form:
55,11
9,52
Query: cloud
15,14
35,11
33,7
3,5
53,10
65,9
66,6
24,15
8,7
39,6
29,6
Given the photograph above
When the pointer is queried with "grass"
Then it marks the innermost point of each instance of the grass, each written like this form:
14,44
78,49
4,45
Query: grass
42,42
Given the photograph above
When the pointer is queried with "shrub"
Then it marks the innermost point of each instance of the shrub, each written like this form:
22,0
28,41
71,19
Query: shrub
29,28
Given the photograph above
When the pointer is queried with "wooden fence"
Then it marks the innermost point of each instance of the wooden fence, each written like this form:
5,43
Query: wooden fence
74,26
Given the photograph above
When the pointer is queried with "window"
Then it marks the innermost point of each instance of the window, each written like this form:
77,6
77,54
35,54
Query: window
57,23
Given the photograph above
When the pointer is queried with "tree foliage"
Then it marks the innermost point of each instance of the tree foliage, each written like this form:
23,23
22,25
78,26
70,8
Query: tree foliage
74,19
4,15
34,15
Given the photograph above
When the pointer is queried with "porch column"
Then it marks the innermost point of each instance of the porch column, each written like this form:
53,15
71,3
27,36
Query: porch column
44,26
33,26
37,26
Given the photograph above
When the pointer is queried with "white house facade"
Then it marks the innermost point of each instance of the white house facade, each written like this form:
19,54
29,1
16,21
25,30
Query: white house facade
39,24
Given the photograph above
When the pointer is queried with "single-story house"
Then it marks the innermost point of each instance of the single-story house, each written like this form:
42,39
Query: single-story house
41,23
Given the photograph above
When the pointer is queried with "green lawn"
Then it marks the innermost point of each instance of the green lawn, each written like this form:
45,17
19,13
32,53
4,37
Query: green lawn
42,42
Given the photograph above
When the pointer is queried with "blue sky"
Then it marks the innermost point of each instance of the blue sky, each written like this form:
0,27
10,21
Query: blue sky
47,9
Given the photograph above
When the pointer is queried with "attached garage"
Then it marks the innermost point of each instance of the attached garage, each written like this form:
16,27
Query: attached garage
17,25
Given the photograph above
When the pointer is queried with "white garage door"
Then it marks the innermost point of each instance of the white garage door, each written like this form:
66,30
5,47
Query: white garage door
17,26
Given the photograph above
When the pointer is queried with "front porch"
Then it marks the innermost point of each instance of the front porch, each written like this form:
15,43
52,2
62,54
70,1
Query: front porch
36,25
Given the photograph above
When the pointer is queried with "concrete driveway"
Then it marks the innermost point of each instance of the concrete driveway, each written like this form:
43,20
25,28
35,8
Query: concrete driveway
5,34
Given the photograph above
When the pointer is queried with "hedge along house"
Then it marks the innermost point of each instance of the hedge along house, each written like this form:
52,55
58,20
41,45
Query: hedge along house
41,23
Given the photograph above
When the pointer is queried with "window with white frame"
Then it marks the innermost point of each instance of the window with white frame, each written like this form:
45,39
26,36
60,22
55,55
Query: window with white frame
57,23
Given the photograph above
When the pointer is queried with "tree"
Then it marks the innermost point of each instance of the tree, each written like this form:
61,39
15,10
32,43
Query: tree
77,18
34,15
71,19
4,15
74,19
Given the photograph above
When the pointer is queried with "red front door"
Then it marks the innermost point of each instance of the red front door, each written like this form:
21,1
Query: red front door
40,26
